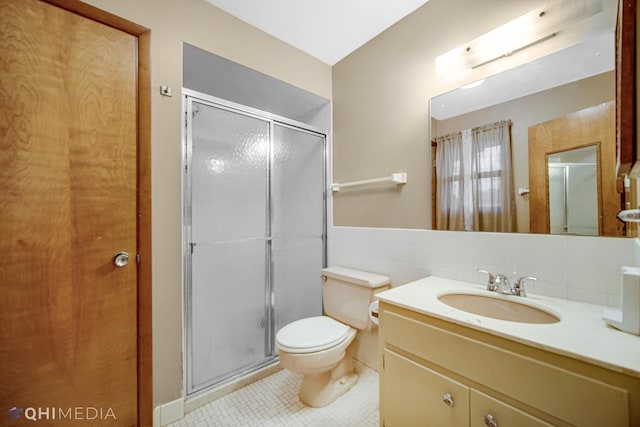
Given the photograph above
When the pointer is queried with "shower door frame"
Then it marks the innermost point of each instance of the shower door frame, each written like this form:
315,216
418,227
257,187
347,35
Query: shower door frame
566,177
273,120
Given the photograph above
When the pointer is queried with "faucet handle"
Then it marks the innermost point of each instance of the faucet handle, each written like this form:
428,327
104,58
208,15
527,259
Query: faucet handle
491,286
518,287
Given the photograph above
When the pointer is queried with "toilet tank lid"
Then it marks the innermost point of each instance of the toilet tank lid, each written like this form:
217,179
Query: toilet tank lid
359,277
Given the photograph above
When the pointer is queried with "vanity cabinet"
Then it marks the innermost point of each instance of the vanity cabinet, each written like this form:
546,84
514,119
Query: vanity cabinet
416,395
438,373
489,411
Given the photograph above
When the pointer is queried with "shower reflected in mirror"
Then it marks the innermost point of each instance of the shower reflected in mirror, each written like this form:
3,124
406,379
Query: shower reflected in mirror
573,191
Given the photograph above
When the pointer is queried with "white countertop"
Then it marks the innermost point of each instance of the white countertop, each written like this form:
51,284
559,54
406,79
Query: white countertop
580,334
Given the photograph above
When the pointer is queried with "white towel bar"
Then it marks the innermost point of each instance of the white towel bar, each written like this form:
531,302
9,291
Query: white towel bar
397,178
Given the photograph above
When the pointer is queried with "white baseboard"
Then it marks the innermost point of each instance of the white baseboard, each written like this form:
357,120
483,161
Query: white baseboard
168,413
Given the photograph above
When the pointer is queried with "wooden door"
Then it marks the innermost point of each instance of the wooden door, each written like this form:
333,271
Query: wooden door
591,126
68,182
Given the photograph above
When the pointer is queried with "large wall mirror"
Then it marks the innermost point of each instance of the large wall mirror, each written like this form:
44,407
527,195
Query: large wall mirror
533,148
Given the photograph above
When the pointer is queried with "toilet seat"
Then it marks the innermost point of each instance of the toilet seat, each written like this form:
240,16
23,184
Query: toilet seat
311,334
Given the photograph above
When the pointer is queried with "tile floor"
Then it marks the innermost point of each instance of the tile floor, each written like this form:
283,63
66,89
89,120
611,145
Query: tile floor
273,401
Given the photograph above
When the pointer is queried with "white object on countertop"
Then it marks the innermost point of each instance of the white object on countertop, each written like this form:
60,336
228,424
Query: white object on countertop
627,319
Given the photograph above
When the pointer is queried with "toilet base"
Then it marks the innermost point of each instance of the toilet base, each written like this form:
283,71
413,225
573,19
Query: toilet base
320,390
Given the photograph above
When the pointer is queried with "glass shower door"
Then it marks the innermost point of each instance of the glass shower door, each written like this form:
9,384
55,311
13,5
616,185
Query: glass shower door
229,310
298,223
255,211
573,199
582,194
557,211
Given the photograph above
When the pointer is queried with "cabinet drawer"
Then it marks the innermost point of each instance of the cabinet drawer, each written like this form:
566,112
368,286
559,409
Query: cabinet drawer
503,415
566,395
413,395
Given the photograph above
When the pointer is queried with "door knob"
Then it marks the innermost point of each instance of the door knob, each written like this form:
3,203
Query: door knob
448,399
121,259
489,421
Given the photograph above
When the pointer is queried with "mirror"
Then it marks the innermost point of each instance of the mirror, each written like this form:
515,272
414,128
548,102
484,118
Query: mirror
571,83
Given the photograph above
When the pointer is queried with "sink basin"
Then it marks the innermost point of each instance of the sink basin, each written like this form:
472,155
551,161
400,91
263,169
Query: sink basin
498,307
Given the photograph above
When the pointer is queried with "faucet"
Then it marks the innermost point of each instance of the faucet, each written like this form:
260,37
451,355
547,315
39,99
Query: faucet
491,286
500,284
518,287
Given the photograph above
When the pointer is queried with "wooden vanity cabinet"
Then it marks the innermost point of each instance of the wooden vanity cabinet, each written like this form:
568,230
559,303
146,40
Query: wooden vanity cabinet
484,406
415,395
436,373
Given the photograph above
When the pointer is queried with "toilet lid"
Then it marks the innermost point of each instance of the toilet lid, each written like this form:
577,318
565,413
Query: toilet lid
311,334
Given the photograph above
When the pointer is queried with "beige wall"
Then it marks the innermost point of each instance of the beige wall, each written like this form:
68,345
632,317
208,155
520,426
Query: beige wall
380,100
202,25
528,111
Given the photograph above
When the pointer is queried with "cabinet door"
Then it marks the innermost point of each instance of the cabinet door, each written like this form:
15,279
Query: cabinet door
487,411
414,395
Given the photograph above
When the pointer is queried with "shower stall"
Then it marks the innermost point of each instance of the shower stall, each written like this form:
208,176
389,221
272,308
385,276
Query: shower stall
254,234
573,198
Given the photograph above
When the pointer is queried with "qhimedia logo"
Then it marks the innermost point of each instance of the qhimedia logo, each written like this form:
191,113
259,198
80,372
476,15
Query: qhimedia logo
53,413
14,413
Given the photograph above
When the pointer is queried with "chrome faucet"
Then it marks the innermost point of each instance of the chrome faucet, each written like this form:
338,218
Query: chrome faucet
500,284
491,286
518,287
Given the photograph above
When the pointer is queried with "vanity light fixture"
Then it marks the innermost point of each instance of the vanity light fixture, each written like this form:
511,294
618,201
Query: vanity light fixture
525,31
472,85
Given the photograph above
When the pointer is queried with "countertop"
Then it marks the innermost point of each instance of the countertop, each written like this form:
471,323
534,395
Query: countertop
580,334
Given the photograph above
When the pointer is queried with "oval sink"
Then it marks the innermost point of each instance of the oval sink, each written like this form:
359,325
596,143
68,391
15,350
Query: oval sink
498,307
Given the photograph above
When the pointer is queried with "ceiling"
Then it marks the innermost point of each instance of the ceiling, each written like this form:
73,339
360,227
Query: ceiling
329,29
332,29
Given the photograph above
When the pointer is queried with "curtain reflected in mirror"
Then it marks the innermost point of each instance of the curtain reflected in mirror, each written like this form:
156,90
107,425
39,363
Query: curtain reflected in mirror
573,189
474,179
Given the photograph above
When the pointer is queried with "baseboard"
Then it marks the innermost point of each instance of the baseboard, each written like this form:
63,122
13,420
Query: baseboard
168,413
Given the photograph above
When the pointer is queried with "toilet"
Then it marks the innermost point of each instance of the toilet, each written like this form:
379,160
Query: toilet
321,347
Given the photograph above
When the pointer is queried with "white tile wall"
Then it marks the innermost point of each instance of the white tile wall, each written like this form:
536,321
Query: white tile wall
578,268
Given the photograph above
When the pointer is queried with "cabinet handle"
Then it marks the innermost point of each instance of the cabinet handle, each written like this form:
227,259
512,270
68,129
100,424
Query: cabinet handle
446,398
489,421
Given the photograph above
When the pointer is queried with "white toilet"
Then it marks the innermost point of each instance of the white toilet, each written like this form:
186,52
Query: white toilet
320,348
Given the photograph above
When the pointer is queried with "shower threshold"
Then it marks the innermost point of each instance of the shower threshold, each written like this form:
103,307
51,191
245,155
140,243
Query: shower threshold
231,384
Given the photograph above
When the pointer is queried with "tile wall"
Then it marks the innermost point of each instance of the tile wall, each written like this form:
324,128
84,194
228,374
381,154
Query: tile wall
578,268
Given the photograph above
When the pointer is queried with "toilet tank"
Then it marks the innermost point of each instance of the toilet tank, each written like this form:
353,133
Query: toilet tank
347,293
